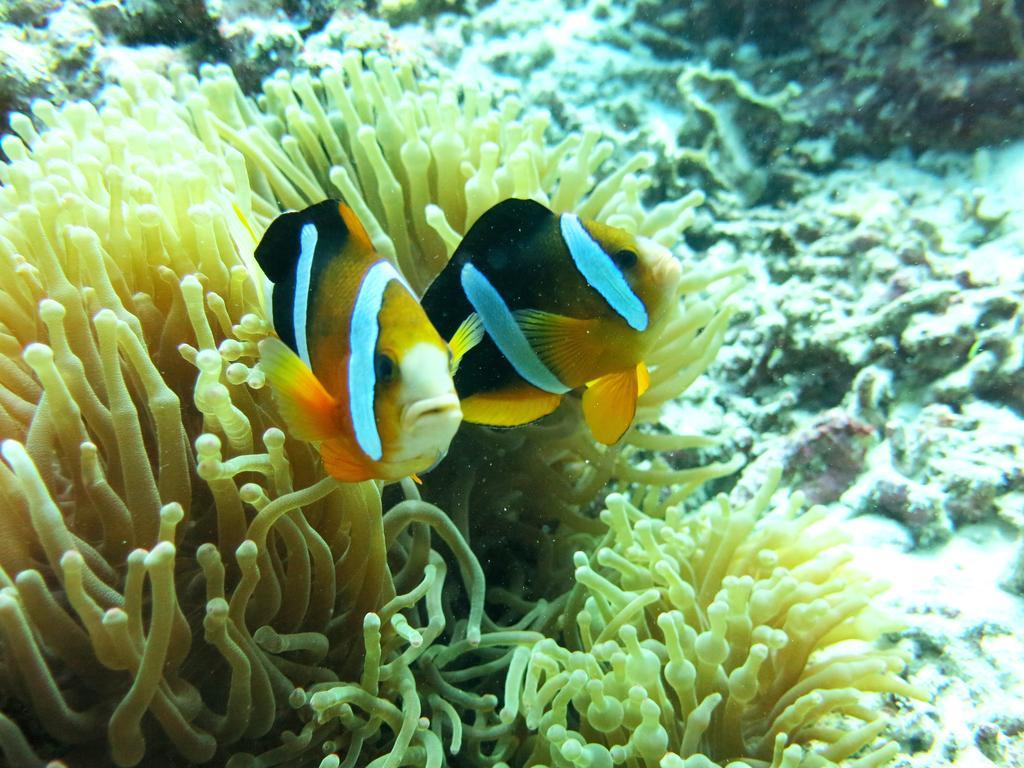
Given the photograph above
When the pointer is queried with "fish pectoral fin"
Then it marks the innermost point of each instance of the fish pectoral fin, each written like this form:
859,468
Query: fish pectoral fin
343,462
563,344
307,408
643,379
510,406
609,404
466,336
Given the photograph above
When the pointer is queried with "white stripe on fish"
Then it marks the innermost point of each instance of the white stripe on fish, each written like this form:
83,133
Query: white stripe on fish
303,272
503,329
600,272
363,332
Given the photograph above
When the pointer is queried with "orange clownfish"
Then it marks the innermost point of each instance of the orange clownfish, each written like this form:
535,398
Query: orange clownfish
358,366
564,303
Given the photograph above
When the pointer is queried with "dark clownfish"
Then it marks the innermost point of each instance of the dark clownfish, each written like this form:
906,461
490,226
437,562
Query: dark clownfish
358,366
564,303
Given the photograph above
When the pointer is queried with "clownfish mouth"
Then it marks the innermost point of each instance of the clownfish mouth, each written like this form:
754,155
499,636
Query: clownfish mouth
665,267
442,408
428,426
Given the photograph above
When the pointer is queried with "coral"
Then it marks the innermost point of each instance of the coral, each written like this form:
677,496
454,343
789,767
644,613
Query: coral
915,505
875,76
828,455
736,131
406,10
178,580
46,51
700,640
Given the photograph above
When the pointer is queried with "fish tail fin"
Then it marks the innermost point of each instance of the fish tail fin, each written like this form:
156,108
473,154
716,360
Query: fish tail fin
308,409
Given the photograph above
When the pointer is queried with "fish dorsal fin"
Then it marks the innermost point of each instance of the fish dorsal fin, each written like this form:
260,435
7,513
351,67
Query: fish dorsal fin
511,406
280,248
356,231
467,336
509,220
609,404
564,344
307,408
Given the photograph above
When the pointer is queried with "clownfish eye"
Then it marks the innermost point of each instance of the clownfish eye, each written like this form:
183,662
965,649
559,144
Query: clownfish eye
385,369
624,258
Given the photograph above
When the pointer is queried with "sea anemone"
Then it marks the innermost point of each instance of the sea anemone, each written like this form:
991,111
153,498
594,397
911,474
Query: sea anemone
177,573
178,579
699,640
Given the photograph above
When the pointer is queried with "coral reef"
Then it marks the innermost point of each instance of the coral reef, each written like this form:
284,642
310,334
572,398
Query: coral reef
734,133
47,50
874,76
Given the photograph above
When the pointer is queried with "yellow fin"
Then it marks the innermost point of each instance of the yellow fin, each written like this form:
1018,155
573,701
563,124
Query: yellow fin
245,222
609,404
308,409
512,406
564,344
643,379
467,336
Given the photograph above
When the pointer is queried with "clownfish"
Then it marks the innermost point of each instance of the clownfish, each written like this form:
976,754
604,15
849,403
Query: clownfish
357,366
563,303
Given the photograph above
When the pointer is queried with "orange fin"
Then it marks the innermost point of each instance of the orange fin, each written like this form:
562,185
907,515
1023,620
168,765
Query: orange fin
356,231
342,461
643,379
512,406
609,404
564,344
308,410
467,336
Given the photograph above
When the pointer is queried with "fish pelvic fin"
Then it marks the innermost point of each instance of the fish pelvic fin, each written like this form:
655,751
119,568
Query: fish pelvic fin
564,344
466,336
307,408
609,403
643,379
510,406
344,462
